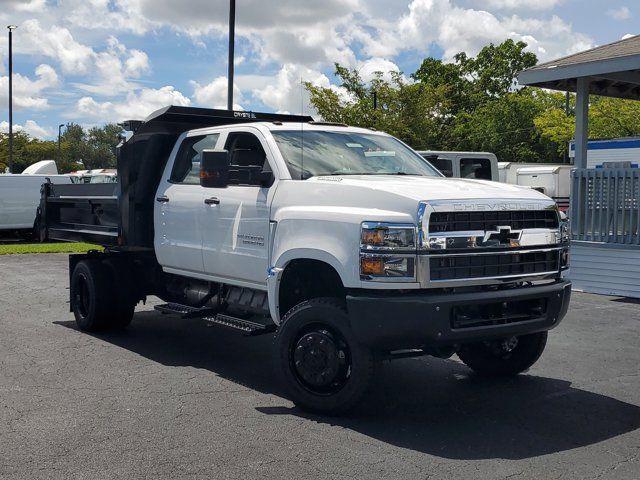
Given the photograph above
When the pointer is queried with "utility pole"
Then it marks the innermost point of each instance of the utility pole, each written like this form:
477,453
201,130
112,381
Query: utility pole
232,35
59,135
11,29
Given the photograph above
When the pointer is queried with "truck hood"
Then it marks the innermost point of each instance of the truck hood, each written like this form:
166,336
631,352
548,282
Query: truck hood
434,188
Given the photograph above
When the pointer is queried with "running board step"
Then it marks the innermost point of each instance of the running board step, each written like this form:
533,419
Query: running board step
247,327
184,311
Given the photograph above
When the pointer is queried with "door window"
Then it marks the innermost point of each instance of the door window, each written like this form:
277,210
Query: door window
443,164
478,168
248,159
186,168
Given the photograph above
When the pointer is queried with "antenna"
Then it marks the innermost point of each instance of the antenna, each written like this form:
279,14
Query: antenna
301,131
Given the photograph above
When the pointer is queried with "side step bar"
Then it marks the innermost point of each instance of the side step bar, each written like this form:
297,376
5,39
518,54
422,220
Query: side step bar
184,310
248,327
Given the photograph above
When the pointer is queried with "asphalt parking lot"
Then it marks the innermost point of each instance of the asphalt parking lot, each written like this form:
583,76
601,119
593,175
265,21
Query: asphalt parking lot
177,399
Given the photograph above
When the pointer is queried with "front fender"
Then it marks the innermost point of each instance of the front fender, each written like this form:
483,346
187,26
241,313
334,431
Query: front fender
327,234
335,244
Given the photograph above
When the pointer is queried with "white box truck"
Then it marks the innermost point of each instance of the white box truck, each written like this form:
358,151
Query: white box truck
552,180
20,197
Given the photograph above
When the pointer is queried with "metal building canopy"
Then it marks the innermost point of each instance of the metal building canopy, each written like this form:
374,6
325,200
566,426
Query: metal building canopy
613,70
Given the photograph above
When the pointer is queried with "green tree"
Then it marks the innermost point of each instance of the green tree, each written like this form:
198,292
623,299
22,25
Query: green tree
608,118
444,105
505,126
404,109
79,149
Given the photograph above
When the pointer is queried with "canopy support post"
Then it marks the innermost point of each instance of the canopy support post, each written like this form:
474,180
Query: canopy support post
582,121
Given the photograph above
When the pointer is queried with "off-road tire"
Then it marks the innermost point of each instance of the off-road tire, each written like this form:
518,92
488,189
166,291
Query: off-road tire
326,315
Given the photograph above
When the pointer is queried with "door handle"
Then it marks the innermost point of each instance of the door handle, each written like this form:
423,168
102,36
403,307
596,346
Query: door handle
162,199
212,201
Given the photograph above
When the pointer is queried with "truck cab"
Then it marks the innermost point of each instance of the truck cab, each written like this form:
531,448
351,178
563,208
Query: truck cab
345,244
472,165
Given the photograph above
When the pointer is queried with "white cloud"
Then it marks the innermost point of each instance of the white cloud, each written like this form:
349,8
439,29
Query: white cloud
26,5
293,38
28,93
136,105
519,4
108,15
56,43
457,29
369,68
107,72
622,13
30,127
279,30
214,94
285,93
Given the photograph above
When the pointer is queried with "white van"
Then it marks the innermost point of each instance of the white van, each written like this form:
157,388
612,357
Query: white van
20,197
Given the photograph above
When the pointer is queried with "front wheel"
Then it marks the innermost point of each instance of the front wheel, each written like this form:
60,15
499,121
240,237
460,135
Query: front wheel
503,358
321,365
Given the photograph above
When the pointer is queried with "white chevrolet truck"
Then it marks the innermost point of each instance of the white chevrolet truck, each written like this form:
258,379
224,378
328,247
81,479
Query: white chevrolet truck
343,243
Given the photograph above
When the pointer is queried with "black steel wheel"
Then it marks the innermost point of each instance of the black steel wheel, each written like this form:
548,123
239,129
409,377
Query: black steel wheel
321,365
507,357
321,360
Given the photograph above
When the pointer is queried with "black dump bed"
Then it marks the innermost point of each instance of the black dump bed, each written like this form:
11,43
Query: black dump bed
80,213
122,214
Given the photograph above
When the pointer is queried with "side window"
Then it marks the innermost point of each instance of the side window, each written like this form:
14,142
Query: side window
186,168
478,168
443,164
248,159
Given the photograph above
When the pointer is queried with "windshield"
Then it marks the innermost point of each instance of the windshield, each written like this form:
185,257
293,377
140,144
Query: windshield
317,153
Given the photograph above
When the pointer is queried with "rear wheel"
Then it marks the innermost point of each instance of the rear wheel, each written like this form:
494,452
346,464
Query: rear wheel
503,358
321,365
95,301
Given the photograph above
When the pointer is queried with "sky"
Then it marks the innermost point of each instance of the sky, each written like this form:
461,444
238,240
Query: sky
98,61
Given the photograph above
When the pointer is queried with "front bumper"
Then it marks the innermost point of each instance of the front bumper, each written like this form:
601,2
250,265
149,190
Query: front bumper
401,320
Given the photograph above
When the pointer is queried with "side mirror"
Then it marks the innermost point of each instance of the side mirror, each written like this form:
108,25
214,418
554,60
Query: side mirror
214,169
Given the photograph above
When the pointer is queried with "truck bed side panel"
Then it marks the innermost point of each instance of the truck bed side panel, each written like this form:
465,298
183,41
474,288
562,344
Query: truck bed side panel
82,212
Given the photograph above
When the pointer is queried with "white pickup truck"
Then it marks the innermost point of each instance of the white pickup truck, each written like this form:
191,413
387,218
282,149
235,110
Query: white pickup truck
343,241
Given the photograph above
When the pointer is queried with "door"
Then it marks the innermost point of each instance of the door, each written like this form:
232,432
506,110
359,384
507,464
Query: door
179,208
236,227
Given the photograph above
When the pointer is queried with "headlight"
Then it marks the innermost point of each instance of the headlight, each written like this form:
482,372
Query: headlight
565,231
387,252
386,267
387,236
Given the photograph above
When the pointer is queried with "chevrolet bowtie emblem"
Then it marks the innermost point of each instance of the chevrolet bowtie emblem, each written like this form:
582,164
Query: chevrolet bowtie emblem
503,235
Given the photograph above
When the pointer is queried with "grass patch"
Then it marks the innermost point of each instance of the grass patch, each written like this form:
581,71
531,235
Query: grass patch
10,249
